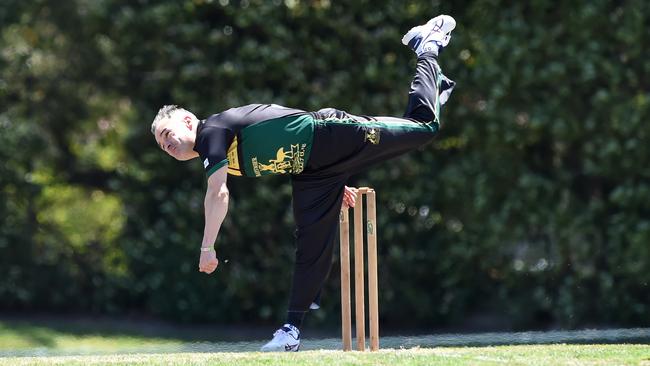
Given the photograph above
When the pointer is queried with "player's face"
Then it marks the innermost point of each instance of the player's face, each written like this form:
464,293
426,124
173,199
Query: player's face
176,136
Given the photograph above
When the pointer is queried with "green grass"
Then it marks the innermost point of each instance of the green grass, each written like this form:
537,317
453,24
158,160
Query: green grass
17,337
97,343
512,355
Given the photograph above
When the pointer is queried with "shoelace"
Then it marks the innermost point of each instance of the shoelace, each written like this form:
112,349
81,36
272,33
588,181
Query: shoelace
283,331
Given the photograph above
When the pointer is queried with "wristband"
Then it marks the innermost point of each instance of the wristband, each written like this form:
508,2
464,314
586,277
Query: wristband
207,249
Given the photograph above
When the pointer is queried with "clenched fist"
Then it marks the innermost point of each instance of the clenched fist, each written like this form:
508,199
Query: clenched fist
208,262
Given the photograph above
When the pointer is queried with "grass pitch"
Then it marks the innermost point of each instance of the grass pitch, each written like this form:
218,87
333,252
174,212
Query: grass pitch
557,354
25,343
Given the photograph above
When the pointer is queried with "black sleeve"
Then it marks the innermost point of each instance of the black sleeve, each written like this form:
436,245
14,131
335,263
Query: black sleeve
212,145
241,117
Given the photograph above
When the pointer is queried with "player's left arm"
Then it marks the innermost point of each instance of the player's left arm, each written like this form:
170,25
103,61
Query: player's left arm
216,208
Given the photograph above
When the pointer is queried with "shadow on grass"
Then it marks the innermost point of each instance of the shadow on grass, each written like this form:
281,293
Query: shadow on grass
43,335
43,331
34,335
587,336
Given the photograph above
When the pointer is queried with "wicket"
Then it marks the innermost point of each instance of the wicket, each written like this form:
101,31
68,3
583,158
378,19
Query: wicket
359,286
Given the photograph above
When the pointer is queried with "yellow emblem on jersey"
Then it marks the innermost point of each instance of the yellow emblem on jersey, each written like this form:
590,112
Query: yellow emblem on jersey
286,161
233,159
372,135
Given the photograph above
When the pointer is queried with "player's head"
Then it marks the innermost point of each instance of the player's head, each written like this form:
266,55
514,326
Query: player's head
174,129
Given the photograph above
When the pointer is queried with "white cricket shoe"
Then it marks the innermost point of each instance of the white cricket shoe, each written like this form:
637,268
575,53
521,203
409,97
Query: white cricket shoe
285,339
431,36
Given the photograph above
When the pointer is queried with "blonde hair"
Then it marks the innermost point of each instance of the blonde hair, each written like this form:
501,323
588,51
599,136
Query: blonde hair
164,112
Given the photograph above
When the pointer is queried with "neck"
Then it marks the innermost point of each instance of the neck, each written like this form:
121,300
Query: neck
194,127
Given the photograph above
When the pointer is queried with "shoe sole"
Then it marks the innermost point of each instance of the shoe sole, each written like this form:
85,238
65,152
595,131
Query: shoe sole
446,26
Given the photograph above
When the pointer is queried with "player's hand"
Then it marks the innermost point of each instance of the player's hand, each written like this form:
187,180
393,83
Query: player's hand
208,262
349,197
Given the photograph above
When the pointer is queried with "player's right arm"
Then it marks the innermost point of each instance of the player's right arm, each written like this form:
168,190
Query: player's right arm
216,208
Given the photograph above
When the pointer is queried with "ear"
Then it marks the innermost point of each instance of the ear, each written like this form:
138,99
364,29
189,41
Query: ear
188,122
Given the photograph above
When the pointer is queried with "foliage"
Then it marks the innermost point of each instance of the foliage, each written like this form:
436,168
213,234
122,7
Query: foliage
531,207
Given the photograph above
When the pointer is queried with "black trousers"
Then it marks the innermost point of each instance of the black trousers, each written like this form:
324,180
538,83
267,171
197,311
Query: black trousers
343,145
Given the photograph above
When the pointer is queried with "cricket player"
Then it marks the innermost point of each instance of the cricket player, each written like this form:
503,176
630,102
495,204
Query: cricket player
318,150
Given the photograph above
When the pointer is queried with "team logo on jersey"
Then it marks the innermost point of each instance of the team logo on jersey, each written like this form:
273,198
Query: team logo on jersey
206,163
372,135
291,161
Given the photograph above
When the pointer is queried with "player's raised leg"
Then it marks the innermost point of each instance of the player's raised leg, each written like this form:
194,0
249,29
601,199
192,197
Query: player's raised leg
345,143
429,88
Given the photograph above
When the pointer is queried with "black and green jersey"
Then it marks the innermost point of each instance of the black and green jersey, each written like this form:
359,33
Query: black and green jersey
256,140
264,139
